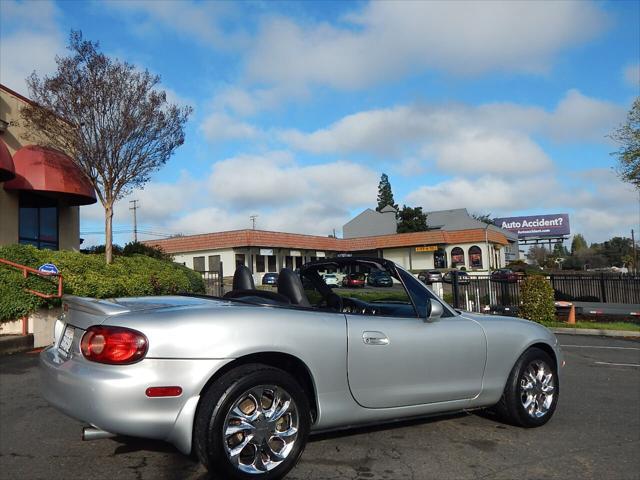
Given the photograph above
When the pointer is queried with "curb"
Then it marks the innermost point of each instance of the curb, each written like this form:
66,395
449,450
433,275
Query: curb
598,332
15,343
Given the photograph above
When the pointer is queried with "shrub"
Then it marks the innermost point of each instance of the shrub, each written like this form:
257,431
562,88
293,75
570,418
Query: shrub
537,299
88,275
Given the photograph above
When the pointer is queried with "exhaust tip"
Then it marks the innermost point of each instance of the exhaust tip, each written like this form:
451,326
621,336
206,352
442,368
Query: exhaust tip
92,433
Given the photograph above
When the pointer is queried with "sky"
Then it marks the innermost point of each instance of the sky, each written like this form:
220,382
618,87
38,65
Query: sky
502,108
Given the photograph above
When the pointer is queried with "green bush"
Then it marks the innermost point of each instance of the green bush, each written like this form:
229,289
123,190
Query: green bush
537,299
88,275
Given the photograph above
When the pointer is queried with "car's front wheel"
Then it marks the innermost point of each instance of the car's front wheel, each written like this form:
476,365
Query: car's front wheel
252,423
531,394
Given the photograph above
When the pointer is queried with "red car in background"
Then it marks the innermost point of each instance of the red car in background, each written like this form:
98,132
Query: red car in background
353,280
504,275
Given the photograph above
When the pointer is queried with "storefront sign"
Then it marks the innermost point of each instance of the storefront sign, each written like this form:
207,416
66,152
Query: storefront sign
536,225
295,253
266,251
49,268
428,248
320,254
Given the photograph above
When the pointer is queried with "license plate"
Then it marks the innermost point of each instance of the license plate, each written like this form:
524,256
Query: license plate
67,339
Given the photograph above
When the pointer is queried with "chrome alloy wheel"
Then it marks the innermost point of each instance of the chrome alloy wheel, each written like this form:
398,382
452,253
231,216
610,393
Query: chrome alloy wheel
537,389
260,429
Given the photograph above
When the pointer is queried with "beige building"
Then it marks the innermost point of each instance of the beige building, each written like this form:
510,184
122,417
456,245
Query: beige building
41,189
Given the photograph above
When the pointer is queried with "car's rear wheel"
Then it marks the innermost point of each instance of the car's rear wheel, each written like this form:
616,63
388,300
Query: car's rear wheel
252,423
531,394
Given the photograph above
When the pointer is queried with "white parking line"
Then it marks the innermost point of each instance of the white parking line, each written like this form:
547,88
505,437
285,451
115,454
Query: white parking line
618,364
607,348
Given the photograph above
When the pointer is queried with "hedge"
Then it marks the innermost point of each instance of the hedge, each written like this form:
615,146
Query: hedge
88,276
537,299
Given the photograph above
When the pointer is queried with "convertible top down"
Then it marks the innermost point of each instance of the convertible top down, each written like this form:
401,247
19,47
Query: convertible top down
243,379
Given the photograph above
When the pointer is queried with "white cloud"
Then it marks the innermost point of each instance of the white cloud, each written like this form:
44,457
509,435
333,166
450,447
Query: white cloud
276,179
632,75
200,20
28,42
489,152
493,137
390,39
578,117
218,127
486,193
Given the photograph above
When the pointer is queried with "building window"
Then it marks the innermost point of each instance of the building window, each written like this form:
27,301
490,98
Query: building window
198,264
288,262
457,257
271,261
214,263
240,259
260,263
475,257
38,222
440,258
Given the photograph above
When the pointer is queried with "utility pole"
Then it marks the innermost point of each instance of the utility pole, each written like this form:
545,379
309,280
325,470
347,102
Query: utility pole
135,220
253,221
635,252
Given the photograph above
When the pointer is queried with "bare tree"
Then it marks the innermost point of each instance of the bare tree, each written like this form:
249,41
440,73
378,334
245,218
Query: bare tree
109,117
627,136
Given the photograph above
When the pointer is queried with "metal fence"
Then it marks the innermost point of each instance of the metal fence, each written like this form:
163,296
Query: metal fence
604,287
487,295
212,283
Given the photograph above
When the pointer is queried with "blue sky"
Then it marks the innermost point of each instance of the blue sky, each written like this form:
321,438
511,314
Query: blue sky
499,107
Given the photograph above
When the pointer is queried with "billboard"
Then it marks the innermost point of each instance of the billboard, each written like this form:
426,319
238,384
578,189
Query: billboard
555,225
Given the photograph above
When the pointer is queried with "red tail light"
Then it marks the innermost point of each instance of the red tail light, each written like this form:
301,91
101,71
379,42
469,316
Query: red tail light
113,345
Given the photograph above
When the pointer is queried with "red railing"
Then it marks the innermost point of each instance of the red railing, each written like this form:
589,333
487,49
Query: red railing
28,270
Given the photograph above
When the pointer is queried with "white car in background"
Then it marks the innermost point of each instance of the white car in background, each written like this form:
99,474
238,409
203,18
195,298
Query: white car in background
331,280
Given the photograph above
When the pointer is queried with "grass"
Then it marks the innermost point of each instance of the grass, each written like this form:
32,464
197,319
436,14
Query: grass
628,326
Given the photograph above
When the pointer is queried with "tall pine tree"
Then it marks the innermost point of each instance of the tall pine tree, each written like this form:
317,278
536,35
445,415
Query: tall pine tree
385,195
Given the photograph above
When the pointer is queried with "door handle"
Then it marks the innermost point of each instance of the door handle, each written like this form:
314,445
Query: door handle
375,338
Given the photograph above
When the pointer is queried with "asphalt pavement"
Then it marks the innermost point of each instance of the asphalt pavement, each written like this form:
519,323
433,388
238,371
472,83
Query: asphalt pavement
595,434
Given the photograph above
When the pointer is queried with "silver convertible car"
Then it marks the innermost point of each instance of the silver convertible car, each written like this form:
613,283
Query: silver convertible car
242,380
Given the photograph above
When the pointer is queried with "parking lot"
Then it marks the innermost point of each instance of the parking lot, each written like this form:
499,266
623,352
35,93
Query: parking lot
595,434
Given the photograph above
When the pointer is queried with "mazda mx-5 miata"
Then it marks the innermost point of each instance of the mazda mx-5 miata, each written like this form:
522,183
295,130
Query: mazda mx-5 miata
242,380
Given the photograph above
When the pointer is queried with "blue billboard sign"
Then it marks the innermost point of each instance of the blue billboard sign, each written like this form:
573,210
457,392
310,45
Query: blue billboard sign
535,226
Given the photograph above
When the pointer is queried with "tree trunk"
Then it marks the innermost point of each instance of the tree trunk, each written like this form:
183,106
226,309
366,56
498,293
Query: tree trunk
108,233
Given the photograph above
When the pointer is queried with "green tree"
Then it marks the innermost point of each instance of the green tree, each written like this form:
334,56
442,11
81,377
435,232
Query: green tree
411,220
385,195
110,117
627,136
617,250
484,218
578,243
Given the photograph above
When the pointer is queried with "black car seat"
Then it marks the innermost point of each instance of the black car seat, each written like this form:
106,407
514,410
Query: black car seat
244,289
242,279
290,286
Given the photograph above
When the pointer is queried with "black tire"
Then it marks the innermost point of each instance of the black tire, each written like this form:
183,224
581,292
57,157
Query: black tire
511,407
208,439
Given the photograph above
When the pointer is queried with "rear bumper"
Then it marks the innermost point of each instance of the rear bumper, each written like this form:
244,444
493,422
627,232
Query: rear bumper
112,397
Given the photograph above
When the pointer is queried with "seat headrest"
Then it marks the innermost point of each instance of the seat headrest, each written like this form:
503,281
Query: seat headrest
290,286
242,279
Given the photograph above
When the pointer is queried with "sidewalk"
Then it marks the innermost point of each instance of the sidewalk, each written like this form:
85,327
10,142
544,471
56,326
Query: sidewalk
596,331
15,343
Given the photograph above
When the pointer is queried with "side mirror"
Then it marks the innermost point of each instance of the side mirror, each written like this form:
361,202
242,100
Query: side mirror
434,310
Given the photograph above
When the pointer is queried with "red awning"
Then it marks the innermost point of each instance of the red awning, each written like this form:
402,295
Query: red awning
7,171
52,173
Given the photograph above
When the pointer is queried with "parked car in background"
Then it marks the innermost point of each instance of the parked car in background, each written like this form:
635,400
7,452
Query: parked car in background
331,280
430,276
270,278
353,280
240,381
462,277
504,275
379,279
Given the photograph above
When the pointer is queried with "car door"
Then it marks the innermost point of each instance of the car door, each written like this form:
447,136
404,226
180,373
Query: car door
401,361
